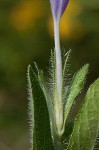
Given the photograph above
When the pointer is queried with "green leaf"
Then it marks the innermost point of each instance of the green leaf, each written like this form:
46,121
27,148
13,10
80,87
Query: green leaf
41,80
86,127
76,87
52,73
48,97
65,68
65,75
39,118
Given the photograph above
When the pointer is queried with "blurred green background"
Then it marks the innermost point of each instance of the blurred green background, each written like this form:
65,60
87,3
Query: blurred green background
26,35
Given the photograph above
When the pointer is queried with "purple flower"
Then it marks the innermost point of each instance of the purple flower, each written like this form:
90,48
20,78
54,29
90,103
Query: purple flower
58,7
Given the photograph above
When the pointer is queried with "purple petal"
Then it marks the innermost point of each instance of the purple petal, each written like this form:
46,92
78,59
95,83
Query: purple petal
64,5
58,7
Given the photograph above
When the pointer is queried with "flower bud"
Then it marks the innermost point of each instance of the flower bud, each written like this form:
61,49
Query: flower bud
58,7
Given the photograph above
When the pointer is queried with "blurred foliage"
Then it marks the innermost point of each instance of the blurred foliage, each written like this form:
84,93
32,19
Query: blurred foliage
26,35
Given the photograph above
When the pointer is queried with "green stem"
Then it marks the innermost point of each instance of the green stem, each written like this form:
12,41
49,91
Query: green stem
59,146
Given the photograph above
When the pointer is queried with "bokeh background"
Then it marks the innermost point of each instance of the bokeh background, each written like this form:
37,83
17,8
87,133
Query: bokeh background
26,35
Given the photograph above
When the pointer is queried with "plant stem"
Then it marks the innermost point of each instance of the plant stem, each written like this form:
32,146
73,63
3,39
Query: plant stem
59,107
58,146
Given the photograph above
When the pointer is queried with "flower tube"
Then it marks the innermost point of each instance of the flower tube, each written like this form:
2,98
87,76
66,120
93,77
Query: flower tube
58,8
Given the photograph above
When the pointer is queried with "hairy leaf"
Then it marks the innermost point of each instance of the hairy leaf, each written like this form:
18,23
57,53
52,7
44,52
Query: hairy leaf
86,127
41,80
65,67
39,118
75,89
49,101
66,78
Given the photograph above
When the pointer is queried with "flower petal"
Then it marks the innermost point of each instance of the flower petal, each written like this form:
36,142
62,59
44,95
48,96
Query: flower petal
64,5
58,7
